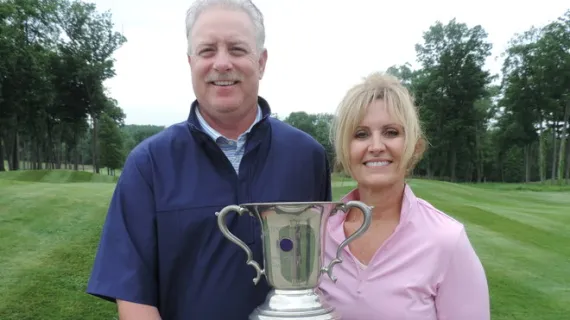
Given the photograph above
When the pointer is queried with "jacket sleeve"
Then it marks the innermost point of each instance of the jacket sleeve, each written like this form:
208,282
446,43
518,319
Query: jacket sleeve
326,187
463,293
125,263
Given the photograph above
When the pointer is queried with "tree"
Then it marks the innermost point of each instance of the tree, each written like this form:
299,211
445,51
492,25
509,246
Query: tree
451,81
55,57
111,140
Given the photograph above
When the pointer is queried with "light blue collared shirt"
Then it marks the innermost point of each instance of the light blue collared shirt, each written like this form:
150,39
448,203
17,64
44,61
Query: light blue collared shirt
233,149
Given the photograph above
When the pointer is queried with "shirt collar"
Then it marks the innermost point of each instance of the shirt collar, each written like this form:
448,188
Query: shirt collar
214,133
336,221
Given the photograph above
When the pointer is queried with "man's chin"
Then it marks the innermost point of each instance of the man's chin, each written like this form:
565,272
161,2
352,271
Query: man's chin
224,104
226,108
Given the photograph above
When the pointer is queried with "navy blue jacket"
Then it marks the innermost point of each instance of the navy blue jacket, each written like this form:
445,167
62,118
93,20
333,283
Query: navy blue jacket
161,245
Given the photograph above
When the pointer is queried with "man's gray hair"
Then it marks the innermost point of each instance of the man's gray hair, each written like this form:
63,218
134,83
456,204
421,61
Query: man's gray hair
247,6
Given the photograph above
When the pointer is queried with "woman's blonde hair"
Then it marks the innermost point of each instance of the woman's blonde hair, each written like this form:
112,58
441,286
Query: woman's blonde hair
400,106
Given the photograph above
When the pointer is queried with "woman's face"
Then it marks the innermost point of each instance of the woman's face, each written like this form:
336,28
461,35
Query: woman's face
377,148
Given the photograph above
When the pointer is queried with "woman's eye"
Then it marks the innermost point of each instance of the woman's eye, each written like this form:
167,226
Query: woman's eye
360,134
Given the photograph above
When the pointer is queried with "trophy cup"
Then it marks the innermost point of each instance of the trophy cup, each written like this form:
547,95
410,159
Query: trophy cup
293,255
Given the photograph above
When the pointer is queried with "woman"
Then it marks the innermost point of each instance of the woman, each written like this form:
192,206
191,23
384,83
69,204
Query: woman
414,262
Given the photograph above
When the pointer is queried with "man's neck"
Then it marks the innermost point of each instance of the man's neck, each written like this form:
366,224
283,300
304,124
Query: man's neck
231,126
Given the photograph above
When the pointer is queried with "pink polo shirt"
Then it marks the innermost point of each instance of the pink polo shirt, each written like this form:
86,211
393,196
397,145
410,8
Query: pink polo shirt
426,270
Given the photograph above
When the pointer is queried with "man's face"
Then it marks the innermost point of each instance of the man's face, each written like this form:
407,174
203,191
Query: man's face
226,67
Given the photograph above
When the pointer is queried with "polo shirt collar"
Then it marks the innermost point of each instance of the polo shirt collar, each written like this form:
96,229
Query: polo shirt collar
195,124
335,224
214,134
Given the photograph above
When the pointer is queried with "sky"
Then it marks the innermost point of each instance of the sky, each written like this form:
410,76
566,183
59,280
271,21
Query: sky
317,49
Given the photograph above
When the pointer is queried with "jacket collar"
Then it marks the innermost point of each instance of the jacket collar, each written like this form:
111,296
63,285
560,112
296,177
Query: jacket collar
195,125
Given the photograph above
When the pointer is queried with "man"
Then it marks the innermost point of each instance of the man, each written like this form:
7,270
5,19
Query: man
161,254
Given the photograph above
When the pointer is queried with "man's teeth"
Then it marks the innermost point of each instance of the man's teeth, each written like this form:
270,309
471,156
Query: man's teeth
377,164
224,83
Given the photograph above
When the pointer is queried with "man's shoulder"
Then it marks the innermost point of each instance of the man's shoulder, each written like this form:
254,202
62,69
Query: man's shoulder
286,133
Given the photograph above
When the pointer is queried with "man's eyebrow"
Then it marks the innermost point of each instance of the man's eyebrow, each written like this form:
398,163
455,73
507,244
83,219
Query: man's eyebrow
204,43
238,42
209,43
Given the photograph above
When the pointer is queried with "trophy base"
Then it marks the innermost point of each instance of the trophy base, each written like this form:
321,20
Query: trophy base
294,304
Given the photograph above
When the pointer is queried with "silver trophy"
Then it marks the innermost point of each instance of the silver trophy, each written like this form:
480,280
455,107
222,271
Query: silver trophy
293,253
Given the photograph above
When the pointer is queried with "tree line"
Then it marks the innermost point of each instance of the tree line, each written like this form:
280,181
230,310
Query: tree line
55,57
507,127
512,127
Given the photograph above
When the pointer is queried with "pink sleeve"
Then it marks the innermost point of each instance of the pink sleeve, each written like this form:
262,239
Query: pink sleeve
463,293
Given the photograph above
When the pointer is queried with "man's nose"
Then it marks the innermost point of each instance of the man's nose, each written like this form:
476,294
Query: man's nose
222,61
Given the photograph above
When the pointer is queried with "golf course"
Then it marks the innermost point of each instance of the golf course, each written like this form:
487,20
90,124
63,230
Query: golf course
50,222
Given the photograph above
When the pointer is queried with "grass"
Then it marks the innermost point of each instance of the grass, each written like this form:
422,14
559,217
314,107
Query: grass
548,186
49,233
56,176
50,223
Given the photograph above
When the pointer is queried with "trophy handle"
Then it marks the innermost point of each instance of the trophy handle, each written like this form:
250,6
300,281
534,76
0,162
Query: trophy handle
230,236
367,211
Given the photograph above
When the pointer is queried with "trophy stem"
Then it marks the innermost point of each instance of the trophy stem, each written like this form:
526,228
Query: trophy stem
295,292
294,304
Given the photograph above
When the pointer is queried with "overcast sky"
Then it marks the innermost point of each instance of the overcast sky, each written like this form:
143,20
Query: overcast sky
317,48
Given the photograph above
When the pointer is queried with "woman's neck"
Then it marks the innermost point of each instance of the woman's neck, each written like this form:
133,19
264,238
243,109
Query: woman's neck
386,202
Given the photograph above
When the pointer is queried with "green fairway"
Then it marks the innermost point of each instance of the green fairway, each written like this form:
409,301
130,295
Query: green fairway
50,223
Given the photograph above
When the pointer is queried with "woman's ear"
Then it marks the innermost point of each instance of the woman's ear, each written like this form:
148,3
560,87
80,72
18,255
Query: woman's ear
419,150
420,147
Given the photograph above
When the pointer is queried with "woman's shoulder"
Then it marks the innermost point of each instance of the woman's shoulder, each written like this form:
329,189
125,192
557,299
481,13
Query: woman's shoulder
443,234
436,223
437,215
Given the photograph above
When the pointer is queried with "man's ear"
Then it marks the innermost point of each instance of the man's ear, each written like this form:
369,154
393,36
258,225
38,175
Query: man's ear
262,63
